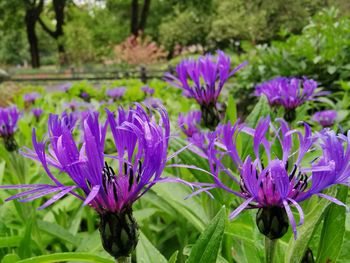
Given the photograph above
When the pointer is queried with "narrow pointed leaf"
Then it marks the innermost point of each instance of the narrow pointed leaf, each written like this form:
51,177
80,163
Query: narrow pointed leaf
207,247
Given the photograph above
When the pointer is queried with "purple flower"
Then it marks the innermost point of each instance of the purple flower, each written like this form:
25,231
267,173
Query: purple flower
8,124
288,92
203,80
74,105
274,182
141,146
31,97
8,121
37,112
153,102
147,90
110,184
189,124
65,86
325,118
116,93
68,120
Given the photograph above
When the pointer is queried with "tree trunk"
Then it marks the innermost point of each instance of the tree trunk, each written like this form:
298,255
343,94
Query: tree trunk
59,6
32,39
144,15
33,10
134,17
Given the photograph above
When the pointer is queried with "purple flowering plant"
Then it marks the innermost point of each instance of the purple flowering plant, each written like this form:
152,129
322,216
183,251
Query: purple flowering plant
203,80
30,98
325,118
289,92
147,90
37,112
116,93
109,184
8,124
274,179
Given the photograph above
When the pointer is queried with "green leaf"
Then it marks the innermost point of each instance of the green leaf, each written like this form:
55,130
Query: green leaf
190,209
10,241
10,258
333,229
143,214
231,111
147,253
24,249
331,69
297,248
207,247
57,231
69,256
173,257
2,170
261,109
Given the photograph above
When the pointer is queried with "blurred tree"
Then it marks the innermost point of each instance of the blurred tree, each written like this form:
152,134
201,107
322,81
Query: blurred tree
78,38
57,34
189,23
138,20
13,44
260,21
33,8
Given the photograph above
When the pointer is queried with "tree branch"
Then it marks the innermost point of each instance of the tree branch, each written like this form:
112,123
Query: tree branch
46,29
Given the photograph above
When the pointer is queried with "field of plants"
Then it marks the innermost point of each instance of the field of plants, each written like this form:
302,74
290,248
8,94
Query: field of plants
228,158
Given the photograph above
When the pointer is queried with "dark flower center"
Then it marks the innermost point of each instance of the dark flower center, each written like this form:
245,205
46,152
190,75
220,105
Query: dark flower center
268,193
110,179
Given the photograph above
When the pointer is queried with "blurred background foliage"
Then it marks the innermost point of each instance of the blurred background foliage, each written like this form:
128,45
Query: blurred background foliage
91,29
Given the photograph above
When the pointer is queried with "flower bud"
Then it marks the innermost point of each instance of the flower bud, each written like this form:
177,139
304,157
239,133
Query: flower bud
272,221
290,115
308,257
210,116
119,233
10,143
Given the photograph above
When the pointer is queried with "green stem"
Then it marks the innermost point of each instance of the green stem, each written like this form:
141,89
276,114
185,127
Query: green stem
270,247
123,260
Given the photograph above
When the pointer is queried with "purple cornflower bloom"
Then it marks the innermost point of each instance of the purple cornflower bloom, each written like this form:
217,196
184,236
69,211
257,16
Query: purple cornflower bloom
141,143
110,187
325,118
152,102
37,112
189,124
85,96
275,183
116,93
289,92
203,80
68,120
8,124
8,121
31,97
65,86
74,105
147,90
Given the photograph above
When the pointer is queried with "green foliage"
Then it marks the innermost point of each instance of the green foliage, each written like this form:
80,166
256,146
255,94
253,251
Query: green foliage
321,52
172,29
333,231
207,247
